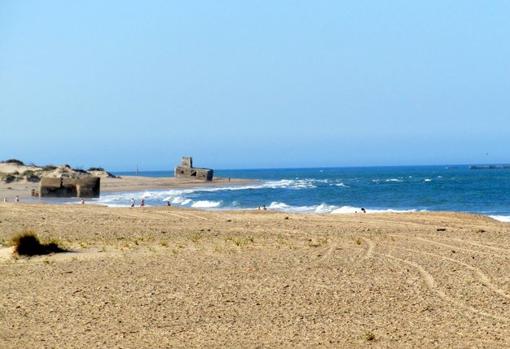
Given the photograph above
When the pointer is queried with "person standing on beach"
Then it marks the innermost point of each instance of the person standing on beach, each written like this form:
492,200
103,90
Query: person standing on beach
132,202
17,198
142,203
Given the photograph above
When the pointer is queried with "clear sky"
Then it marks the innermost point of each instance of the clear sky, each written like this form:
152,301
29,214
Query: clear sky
247,84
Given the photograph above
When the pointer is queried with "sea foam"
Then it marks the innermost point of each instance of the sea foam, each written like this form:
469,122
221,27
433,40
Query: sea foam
325,208
206,204
505,219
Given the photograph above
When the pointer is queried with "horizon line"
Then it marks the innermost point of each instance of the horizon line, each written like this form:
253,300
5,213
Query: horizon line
328,167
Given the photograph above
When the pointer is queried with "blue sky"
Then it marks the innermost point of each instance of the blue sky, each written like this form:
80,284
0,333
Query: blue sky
254,84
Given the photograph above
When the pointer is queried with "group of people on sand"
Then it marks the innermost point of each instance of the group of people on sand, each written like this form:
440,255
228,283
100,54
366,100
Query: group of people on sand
133,203
16,199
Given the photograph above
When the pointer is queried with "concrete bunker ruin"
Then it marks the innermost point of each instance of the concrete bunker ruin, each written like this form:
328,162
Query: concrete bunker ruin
85,187
186,170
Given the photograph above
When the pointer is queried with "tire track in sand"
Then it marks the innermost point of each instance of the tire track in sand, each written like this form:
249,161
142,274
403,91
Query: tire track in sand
482,277
430,282
328,253
460,248
370,250
183,215
196,216
493,248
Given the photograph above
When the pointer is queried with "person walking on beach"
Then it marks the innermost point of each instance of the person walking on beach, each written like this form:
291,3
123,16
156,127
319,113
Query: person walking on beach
17,198
132,202
142,203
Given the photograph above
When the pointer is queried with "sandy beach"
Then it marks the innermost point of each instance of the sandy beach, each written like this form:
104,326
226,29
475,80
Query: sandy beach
167,277
364,197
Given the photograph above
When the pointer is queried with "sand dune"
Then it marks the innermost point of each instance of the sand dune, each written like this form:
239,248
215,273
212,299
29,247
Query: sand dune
167,277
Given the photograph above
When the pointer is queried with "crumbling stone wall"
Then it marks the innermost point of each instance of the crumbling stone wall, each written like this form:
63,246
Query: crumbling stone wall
187,161
85,187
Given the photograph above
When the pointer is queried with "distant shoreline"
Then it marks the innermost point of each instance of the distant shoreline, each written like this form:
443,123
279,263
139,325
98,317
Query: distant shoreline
139,183
124,184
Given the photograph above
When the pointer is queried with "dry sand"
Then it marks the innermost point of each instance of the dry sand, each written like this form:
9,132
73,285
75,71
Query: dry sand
167,277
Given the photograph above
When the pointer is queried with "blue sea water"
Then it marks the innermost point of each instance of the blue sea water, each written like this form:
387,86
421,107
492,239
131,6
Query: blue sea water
343,190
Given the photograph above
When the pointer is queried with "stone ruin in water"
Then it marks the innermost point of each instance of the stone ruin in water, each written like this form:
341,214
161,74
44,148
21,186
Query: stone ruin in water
186,170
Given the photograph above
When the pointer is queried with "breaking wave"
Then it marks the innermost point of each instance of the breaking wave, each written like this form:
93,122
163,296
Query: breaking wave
505,219
178,196
388,180
325,208
320,195
206,204
341,185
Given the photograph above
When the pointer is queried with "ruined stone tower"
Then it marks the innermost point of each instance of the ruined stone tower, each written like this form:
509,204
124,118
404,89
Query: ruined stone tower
186,170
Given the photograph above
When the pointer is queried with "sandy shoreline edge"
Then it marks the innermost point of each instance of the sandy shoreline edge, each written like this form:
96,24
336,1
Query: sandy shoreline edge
125,184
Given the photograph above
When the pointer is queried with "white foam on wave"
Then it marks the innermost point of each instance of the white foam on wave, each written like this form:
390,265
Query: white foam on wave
178,200
427,180
342,185
178,196
505,219
290,184
206,204
281,206
325,208
278,206
297,183
387,180
346,210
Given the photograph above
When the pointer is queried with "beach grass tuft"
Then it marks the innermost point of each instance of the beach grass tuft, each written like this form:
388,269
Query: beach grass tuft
28,244
369,336
240,241
13,161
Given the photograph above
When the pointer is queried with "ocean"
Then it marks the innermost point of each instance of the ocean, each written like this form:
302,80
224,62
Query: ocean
343,190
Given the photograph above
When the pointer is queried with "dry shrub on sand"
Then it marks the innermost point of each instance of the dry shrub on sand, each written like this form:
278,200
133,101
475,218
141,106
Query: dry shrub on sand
27,243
